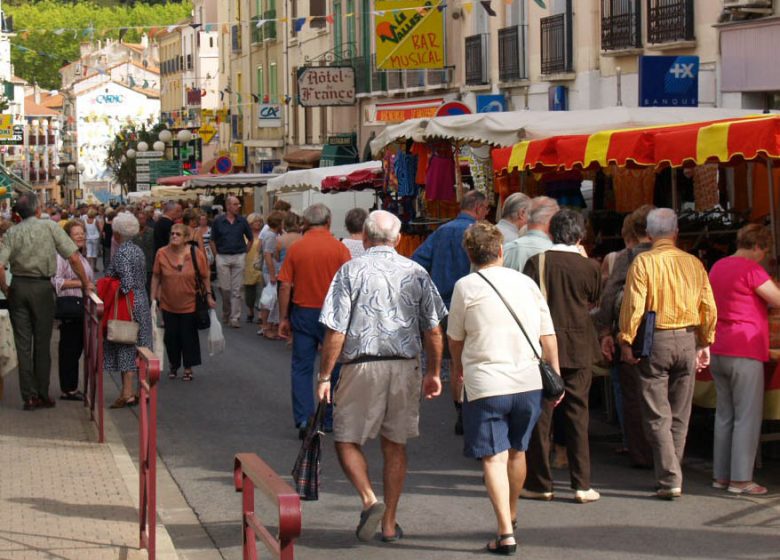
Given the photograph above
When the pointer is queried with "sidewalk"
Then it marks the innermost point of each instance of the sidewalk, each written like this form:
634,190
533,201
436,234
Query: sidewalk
62,494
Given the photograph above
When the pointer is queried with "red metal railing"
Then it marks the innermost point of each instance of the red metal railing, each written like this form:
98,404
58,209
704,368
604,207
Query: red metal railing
148,376
249,471
93,360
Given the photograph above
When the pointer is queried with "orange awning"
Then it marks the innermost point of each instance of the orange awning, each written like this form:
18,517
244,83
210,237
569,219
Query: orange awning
676,145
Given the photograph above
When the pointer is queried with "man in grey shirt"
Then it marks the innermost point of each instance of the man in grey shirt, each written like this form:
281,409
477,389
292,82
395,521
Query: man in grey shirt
375,309
537,239
514,216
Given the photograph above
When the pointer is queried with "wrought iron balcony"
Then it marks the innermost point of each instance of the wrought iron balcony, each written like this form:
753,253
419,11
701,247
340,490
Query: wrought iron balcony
669,21
511,53
621,24
477,59
556,39
369,79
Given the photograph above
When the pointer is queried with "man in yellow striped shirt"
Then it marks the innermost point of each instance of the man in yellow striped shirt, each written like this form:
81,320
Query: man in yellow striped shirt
674,284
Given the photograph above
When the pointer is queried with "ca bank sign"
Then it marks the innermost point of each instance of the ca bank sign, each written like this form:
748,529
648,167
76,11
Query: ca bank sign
668,81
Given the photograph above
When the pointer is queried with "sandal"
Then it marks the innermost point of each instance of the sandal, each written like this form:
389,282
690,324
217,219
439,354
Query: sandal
187,375
172,374
751,489
122,402
503,549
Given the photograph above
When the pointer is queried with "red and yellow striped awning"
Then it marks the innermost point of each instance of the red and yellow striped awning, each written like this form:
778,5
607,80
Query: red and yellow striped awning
676,145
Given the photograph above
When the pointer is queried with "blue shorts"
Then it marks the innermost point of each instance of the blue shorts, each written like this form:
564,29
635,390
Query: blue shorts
494,424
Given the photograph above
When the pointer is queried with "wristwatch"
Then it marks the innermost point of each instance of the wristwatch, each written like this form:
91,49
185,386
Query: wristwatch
321,379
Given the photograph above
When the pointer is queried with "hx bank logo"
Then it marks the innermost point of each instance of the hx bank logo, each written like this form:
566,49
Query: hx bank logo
669,81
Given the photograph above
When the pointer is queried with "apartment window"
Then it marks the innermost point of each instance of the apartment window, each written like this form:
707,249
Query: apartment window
477,65
260,84
296,117
269,29
351,26
669,20
235,37
293,16
318,11
273,83
556,41
511,53
621,24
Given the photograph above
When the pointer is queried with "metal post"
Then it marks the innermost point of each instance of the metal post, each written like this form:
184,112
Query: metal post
458,176
772,208
675,203
618,77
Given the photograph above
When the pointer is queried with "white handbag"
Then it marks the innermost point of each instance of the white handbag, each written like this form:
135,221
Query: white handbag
120,331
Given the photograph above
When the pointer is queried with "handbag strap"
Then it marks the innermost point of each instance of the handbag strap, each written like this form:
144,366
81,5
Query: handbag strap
514,315
542,281
127,302
198,279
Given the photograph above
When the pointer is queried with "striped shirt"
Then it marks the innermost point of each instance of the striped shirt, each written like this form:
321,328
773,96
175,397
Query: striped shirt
674,284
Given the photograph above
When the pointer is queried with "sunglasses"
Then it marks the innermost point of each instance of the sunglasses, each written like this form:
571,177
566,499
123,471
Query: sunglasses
177,234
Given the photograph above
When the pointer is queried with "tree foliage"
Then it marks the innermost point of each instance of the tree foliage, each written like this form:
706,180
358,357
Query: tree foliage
49,32
129,137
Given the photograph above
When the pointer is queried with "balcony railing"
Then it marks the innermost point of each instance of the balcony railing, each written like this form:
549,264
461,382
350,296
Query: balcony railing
370,80
556,43
511,53
477,65
669,21
621,24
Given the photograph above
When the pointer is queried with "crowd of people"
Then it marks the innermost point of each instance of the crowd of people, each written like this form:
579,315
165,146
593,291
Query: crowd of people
479,302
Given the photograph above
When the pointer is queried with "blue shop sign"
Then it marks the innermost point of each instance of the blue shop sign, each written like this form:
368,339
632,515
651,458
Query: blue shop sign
491,103
668,81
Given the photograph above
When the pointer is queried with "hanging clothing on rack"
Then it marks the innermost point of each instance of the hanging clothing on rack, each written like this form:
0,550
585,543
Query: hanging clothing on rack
481,166
405,171
390,183
423,154
705,187
632,187
440,177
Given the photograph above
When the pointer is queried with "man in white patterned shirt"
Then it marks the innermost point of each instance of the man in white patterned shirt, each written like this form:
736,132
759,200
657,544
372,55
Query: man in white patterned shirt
374,312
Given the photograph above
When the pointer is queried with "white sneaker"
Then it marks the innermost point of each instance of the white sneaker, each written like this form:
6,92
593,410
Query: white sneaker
531,495
668,493
585,496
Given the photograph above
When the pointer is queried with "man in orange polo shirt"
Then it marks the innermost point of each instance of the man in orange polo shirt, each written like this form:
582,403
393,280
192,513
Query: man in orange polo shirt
309,266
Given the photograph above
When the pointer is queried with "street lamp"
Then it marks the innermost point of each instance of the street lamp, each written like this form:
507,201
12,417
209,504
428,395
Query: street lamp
159,146
184,136
77,170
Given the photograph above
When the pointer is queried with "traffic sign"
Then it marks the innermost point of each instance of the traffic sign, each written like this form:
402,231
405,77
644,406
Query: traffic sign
453,108
207,132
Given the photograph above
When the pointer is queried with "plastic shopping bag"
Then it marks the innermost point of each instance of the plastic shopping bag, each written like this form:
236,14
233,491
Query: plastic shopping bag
216,339
158,337
268,297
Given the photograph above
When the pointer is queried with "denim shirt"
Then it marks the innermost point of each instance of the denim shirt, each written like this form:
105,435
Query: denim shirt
231,239
444,257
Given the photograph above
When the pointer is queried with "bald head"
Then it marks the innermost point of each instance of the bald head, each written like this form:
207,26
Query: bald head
381,228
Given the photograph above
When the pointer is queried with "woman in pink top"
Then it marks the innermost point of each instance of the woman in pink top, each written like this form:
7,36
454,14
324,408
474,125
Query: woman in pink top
742,290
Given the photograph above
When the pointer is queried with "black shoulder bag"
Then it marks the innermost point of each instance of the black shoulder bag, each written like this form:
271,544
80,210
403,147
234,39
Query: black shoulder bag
202,319
552,383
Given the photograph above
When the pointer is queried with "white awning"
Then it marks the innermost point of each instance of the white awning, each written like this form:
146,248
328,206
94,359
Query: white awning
233,181
308,179
508,128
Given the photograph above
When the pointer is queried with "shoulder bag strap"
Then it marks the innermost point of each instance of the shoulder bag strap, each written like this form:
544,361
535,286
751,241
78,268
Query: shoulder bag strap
542,282
198,279
514,315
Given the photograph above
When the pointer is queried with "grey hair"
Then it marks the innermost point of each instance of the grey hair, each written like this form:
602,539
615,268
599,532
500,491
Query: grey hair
26,205
471,199
317,215
567,227
514,204
541,209
170,206
661,222
382,227
125,225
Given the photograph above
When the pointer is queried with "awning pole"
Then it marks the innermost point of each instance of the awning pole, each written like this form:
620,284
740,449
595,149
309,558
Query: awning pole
675,205
458,176
772,208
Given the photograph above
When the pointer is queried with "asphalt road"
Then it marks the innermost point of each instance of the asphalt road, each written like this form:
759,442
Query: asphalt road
240,402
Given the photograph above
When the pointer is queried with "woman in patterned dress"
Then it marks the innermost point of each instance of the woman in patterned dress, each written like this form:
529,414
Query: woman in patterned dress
128,265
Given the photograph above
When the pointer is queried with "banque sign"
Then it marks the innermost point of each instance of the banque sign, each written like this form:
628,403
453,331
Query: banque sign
326,86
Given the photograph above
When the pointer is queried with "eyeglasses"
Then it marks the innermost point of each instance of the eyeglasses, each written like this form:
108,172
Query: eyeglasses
177,234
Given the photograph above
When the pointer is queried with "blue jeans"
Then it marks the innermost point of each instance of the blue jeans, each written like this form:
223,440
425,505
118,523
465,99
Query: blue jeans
308,334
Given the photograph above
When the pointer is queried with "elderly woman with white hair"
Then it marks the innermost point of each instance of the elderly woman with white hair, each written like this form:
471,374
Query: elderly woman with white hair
128,265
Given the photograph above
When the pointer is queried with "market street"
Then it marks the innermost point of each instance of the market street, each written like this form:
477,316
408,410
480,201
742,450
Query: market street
239,402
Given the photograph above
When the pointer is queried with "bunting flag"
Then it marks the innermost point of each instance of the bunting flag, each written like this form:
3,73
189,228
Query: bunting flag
195,25
260,23
145,84
59,31
488,8
468,6
298,24
254,97
131,80
225,29
508,2
329,18
172,28
422,11
541,4
283,20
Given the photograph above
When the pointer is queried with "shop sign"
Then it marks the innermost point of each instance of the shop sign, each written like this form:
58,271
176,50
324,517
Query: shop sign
405,110
668,81
237,154
409,35
491,103
6,127
16,139
269,115
109,99
326,86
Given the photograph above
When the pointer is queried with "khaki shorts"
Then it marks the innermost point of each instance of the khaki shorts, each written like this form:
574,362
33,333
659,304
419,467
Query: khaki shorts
375,398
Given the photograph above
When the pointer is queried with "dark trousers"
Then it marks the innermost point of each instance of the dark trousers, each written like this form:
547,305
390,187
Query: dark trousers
574,417
639,451
181,339
667,380
69,352
308,334
31,307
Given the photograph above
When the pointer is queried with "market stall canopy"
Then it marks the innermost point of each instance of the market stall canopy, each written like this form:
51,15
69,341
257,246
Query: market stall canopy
308,179
356,181
676,145
234,181
11,180
507,128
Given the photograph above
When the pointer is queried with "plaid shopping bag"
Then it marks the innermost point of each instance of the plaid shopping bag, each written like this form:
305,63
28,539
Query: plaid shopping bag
306,471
